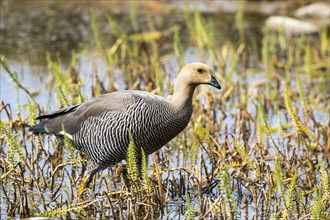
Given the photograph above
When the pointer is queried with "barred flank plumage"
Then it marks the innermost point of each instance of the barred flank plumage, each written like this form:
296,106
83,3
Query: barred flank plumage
99,127
105,138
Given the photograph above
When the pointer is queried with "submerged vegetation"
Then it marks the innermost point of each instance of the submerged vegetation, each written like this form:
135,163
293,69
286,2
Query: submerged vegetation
260,149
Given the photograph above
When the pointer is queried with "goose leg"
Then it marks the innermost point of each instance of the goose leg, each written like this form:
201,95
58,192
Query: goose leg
91,170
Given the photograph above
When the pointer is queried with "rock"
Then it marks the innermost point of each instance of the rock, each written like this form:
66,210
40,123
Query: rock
315,10
291,25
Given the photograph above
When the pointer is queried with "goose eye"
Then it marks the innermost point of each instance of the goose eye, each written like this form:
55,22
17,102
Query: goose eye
200,70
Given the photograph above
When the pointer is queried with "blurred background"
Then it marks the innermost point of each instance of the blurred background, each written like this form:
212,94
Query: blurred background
32,29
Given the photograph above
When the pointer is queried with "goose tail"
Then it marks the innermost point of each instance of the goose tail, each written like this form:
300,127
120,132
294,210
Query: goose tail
38,129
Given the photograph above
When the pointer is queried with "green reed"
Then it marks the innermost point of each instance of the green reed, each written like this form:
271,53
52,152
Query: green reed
132,162
289,195
133,9
240,20
144,171
178,50
324,42
226,191
260,132
14,76
96,32
318,208
325,183
278,178
189,213
266,48
308,60
200,30
14,150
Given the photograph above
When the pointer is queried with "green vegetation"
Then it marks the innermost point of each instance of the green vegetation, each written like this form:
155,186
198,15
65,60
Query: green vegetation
258,149
132,163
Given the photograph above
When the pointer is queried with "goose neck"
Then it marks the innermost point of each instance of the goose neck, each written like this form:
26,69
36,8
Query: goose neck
182,96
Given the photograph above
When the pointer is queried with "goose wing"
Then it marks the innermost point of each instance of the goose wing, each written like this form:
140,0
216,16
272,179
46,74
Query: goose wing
72,118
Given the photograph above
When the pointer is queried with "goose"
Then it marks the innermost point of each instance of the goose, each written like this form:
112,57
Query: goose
101,127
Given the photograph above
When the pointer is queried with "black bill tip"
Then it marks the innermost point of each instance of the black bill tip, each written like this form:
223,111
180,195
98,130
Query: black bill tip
214,82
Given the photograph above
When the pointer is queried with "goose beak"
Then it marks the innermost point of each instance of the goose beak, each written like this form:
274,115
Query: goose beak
214,82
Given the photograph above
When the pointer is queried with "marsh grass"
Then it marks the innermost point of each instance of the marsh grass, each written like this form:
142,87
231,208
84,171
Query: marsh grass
253,151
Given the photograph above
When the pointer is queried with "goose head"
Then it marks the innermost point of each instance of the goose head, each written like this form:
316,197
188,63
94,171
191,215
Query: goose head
190,76
194,74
